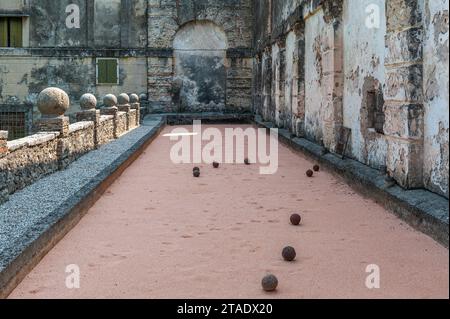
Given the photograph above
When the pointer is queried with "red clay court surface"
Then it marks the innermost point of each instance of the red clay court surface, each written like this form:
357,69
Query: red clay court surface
160,233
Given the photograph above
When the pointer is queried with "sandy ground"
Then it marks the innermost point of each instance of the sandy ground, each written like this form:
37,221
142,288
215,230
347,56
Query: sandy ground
160,233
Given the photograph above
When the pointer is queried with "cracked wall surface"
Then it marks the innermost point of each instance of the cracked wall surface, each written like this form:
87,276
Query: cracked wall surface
141,34
378,68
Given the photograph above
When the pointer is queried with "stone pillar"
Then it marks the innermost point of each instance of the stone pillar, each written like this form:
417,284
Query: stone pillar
3,142
110,108
88,104
53,103
124,106
333,74
404,125
134,100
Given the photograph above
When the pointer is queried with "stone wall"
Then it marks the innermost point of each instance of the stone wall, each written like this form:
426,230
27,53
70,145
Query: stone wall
122,123
79,142
27,160
58,144
436,94
132,119
372,67
105,129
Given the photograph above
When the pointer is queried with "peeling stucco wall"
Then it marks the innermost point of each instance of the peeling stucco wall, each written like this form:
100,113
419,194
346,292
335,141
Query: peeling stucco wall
25,76
317,87
436,94
319,68
364,51
200,67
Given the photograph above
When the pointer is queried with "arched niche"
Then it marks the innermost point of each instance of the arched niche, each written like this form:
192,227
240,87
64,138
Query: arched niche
200,67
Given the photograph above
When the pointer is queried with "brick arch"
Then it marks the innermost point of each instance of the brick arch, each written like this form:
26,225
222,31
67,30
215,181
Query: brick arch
207,36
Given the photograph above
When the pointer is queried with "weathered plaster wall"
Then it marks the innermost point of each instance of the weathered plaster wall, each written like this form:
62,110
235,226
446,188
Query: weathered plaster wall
23,77
140,33
200,67
317,89
12,4
364,51
234,19
436,94
233,16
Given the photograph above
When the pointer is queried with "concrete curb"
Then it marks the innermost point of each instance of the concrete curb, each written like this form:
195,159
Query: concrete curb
24,254
423,210
206,118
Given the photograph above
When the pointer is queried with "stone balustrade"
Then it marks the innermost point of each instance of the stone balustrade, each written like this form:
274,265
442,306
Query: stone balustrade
58,143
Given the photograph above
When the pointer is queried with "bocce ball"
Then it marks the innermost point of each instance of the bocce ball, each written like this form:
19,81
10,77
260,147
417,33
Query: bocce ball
316,168
289,253
296,219
247,161
216,165
196,173
309,173
269,283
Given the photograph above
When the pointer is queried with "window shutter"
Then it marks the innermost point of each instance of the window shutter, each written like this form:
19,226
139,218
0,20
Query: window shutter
3,32
112,71
102,69
15,25
107,71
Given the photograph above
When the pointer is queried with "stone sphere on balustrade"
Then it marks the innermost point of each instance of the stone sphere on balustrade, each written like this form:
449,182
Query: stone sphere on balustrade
53,102
143,97
123,99
110,100
134,98
88,101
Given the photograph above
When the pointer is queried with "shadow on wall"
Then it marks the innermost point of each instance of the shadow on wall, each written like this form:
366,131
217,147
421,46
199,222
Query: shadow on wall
200,68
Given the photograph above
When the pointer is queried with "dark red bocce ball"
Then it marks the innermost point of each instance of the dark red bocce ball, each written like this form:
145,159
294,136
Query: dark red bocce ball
216,165
289,253
269,283
247,161
309,173
296,219
316,168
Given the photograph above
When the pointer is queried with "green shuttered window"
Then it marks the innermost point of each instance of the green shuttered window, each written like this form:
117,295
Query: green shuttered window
11,32
107,71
